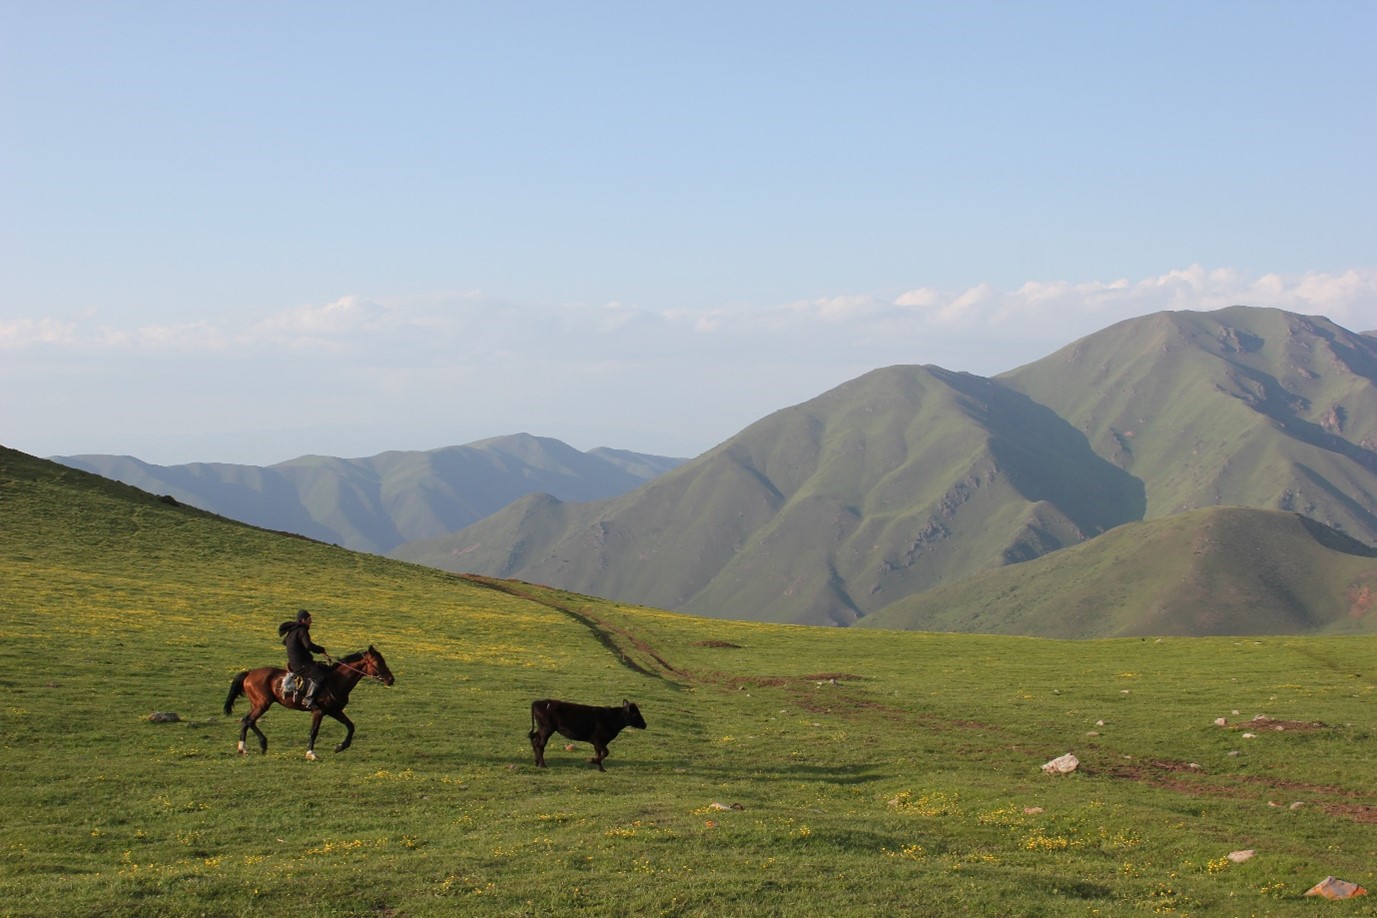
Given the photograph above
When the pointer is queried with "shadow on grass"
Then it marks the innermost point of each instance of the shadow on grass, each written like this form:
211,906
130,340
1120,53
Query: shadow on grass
669,769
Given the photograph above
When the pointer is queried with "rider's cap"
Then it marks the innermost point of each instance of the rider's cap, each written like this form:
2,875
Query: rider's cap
303,615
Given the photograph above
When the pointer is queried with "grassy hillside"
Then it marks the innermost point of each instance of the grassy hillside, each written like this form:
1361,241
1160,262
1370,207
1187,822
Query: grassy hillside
823,512
1221,570
376,503
785,771
1243,406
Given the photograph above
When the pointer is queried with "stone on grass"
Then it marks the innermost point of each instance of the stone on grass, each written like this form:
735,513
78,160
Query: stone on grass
164,717
1334,888
1062,765
1238,857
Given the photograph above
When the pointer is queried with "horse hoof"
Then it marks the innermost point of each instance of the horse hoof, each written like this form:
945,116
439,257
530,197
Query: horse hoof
310,755
242,750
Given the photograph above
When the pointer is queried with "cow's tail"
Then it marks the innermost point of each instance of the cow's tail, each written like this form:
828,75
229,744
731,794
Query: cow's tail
236,689
534,705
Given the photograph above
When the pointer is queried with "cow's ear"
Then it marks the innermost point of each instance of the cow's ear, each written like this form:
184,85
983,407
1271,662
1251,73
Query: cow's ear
626,704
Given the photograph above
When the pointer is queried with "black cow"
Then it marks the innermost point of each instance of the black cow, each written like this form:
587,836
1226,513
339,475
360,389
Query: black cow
582,722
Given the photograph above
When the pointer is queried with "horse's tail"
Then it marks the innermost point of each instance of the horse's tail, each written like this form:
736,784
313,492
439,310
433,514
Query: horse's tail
236,689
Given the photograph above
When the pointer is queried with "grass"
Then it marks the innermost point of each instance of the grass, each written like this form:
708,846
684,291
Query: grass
785,771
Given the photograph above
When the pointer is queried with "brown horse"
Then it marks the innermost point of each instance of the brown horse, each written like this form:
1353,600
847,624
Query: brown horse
263,686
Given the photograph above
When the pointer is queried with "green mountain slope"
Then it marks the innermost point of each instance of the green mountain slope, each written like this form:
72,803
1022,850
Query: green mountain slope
912,477
1221,570
1243,406
823,512
376,503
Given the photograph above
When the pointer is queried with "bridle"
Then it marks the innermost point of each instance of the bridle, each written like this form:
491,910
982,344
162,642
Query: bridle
361,671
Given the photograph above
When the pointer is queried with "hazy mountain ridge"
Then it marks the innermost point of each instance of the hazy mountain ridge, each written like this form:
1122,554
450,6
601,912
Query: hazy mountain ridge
823,512
913,477
377,503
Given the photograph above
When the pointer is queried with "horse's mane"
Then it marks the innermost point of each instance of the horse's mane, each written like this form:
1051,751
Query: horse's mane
354,657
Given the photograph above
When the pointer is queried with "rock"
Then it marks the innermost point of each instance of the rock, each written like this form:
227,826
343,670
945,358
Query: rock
1238,857
1297,805
1032,810
1334,888
1062,765
1249,735
1220,722
163,717
722,806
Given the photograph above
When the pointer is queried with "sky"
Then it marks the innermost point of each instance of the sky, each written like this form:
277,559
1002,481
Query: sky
249,231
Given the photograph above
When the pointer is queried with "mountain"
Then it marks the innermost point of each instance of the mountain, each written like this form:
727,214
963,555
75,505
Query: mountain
913,477
1216,571
375,504
823,512
1243,406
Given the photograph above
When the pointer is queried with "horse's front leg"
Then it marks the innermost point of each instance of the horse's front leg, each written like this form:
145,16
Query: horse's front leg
349,728
315,728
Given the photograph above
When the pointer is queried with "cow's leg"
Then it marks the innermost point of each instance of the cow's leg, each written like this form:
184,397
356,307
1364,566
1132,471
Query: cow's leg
538,740
316,715
349,728
601,753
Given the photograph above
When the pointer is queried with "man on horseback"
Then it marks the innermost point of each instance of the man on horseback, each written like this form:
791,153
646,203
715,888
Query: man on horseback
296,637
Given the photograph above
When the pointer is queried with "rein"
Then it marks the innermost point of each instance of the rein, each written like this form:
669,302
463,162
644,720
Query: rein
359,670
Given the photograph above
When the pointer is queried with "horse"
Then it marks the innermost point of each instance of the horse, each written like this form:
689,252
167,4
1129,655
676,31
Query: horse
263,686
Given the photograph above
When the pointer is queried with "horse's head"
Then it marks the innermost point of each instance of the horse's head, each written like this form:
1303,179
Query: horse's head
375,666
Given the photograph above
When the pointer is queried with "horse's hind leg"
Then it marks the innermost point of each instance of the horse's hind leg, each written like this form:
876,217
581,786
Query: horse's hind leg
349,730
315,728
250,722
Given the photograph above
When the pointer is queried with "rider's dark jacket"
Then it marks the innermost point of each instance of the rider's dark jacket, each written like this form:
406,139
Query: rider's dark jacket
296,637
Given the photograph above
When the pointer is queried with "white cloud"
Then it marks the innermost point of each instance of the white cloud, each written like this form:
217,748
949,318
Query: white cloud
417,371
919,325
306,325
22,333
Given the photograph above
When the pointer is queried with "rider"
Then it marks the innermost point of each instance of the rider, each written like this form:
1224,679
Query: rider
296,636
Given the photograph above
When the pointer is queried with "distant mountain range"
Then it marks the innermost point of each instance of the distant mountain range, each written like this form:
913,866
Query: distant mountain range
866,499
376,504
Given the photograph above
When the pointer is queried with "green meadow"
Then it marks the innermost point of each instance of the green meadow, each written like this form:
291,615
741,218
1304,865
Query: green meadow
785,770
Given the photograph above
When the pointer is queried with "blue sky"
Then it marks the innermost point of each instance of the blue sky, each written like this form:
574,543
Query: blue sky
247,231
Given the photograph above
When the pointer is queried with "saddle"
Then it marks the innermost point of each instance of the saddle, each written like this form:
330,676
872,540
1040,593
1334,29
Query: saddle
294,686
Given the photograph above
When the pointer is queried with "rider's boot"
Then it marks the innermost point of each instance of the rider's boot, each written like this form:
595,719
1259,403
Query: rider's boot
310,701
